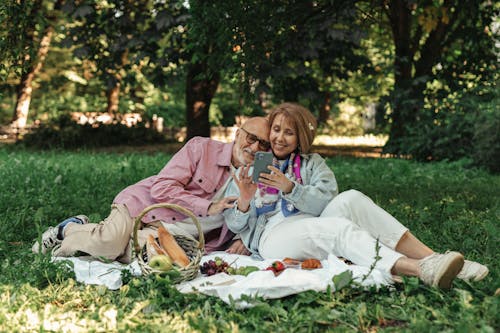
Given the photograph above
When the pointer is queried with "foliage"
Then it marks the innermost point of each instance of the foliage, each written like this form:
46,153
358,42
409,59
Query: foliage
457,127
124,38
21,23
444,40
314,48
62,132
486,140
320,53
445,204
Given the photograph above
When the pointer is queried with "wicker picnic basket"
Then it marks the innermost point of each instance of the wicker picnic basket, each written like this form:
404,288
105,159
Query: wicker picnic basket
193,248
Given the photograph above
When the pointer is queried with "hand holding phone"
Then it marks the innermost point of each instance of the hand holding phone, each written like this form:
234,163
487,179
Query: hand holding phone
262,160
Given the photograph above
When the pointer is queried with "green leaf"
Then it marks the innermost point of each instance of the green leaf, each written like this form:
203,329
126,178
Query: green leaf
342,280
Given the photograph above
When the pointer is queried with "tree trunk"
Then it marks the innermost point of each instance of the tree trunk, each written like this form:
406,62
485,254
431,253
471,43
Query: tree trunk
113,98
25,87
113,92
411,74
324,112
200,90
401,21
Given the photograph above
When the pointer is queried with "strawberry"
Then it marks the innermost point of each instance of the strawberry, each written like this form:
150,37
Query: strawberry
278,266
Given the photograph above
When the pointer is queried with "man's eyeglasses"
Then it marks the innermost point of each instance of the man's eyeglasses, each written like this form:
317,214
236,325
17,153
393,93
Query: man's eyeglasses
252,138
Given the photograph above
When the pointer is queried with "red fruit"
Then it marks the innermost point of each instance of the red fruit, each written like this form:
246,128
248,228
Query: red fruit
278,266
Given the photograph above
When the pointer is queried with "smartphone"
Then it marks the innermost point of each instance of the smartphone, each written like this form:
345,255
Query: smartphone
261,161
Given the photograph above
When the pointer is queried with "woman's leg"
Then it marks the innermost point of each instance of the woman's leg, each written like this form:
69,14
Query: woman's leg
319,237
412,247
357,207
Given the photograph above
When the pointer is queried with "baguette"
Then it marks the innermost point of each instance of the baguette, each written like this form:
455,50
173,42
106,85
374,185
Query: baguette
152,243
169,244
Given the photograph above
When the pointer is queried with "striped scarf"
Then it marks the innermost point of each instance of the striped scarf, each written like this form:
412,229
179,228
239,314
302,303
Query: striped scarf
267,197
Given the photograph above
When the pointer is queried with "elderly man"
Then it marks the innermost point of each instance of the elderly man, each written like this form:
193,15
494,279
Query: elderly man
194,178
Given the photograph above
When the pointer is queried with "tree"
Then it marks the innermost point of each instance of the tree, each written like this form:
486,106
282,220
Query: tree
29,31
283,49
428,36
118,34
204,51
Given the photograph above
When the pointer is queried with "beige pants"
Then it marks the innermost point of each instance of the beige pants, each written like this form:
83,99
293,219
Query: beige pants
107,240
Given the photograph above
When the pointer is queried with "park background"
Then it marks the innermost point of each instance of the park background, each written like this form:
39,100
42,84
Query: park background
88,87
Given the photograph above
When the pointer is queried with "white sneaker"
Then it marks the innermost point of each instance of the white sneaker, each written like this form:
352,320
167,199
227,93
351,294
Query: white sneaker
53,235
473,271
439,270
49,241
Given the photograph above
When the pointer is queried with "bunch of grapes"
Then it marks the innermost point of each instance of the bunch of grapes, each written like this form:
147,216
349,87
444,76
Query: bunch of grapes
215,266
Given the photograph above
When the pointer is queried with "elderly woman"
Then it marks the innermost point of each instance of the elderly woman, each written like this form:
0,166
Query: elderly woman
295,212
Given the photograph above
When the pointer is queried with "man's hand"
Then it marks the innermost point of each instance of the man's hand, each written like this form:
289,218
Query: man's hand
238,248
217,207
246,186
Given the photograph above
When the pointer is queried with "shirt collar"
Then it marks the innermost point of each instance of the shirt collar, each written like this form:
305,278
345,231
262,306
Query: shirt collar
227,154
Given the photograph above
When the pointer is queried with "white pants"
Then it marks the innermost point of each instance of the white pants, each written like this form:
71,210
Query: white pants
348,227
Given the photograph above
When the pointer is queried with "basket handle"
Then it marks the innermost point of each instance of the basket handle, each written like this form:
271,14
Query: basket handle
180,209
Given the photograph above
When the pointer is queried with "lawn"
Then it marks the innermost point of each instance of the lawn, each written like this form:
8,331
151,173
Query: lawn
445,204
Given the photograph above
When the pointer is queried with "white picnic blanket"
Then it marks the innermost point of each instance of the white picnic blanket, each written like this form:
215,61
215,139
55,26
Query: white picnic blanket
231,288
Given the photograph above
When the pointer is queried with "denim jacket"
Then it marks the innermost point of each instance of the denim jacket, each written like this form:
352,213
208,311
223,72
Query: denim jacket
318,188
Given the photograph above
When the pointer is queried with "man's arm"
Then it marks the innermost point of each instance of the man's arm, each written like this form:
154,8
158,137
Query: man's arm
170,184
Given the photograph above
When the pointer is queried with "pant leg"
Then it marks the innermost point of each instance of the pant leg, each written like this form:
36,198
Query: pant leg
359,208
318,237
107,239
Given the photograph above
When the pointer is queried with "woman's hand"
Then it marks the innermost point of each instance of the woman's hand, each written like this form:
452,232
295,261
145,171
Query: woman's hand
246,186
277,179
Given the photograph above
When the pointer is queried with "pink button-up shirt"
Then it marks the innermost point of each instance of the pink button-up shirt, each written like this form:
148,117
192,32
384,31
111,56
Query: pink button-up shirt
190,179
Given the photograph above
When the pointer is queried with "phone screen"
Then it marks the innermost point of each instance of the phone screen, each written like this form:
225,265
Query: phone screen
262,160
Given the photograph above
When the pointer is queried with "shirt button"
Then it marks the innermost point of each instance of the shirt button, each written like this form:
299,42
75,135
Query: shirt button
154,217
200,180
173,218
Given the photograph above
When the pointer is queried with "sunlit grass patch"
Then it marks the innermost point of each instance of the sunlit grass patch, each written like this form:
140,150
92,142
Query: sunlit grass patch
445,204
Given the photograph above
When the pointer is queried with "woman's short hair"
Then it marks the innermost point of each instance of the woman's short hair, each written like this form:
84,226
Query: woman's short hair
303,120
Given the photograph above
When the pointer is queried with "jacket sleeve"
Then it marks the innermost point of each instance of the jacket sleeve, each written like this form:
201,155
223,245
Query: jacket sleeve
318,189
170,184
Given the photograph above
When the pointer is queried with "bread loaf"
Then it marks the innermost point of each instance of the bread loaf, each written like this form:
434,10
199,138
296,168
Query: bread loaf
311,264
154,245
169,244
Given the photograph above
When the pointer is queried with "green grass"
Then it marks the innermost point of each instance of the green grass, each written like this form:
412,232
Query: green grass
446,205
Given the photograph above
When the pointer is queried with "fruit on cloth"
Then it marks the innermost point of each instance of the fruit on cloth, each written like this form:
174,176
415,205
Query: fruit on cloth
212,267
249,269
243,270
169,244
161,262
218,265
277,267
311,264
